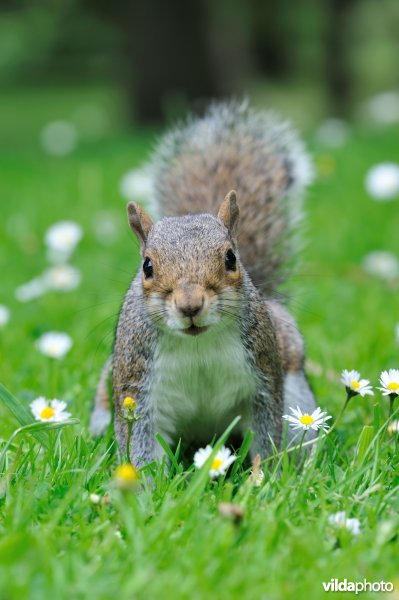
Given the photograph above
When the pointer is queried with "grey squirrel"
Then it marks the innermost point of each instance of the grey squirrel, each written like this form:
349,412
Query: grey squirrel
200,338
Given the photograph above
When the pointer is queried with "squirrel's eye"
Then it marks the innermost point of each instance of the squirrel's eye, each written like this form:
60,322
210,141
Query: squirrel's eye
147,268
230,260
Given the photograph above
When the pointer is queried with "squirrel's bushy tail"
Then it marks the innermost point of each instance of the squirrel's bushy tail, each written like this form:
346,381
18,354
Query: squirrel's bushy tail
255,153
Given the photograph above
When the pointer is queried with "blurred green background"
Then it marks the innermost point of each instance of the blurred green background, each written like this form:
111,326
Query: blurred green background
153,59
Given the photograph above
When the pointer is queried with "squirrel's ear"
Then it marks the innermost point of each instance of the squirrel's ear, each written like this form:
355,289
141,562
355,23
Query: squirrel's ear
229,212
139,221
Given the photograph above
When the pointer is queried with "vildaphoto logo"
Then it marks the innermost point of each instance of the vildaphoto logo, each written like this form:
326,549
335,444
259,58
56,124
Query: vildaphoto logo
343,585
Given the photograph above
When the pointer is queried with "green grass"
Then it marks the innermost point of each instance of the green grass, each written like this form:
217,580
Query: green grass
171,541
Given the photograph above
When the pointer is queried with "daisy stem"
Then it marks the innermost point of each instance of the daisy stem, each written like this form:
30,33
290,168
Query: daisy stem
294,448
129,435
349,395
302,438
391,401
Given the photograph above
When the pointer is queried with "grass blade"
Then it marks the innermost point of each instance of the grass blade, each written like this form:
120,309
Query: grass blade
243,452
21,414
365,439
35,428
169,453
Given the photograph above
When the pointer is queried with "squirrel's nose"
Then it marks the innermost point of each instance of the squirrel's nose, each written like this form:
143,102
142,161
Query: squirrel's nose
189,299
191,310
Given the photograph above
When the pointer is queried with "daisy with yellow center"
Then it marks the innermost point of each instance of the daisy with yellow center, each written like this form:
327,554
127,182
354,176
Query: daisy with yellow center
129,403
299,420
129,406
126,476
389,381
47,413
306,419
49,410
216,464
355,385
128,414
220,463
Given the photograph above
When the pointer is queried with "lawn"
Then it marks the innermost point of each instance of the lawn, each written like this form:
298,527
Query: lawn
171,541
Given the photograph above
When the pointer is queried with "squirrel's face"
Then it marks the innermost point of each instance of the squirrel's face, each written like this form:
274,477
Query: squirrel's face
191,274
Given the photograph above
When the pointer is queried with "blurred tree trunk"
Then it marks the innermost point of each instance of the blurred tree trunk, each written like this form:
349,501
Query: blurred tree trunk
339,76
270,38
175,52
166,54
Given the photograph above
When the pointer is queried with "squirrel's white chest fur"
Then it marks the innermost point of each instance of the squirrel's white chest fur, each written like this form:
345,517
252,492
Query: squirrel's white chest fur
200,384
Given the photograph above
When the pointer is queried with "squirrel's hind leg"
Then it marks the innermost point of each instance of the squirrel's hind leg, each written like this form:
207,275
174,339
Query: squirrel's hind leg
296,388
101,415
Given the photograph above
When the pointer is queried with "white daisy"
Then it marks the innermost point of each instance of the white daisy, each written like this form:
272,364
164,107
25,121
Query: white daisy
384,108
31,290
393,428
354,385
317,420
61,239
4,315
137,184
49,410
340,520
63,278
220,463
95,498
382,181
59,138
389,381
54,344
381,263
